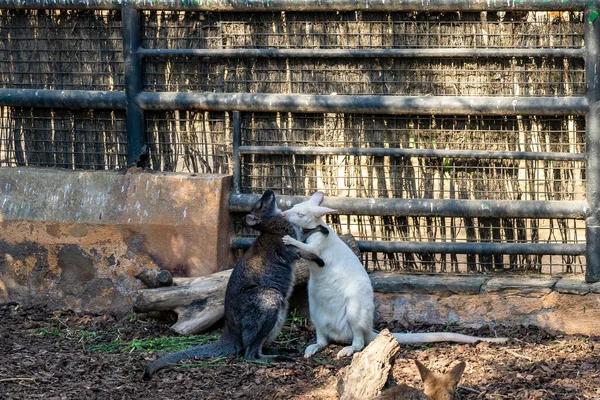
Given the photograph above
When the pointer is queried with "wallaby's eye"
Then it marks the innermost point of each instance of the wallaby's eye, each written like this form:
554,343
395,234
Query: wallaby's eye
300,215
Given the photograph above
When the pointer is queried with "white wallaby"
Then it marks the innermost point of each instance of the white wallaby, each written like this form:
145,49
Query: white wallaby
340,294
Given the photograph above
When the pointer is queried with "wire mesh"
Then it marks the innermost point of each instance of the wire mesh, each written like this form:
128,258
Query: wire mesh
517,76
481,263
460,230
416,177
523,76
363,30
190,141
61,50
72,139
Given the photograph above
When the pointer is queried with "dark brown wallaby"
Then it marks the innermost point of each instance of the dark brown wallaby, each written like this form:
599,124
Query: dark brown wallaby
256,298
437,386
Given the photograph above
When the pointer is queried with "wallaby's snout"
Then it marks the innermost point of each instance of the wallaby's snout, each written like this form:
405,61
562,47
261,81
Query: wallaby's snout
284,214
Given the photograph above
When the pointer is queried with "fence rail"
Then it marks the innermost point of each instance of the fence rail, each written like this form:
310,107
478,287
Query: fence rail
305,5
221,81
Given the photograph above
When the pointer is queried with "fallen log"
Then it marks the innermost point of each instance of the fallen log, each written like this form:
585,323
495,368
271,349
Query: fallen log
154,278
198,306
198,301
367,374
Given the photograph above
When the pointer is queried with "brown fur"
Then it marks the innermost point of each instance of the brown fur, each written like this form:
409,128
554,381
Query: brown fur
437,386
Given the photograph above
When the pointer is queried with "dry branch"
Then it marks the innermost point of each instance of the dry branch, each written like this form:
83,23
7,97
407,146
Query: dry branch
366,376
155,278
197,306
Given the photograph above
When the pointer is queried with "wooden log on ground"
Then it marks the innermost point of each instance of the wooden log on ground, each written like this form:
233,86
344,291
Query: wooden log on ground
154,278
367,374
199,302
198,306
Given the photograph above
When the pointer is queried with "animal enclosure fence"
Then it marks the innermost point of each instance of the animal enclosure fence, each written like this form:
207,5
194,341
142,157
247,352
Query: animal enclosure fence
452,136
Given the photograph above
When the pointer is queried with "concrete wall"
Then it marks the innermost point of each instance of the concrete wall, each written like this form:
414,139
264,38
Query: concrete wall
76,238
564,304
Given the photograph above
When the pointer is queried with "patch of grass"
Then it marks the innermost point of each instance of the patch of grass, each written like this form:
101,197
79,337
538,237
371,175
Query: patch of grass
167,344
98,341
288,336
79,335
294,319
46,332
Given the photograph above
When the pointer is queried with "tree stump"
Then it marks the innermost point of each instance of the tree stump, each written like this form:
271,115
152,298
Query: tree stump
364,378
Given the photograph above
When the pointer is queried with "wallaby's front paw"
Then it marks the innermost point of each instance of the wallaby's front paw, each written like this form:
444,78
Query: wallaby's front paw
345,352
312,350
320,262
287,239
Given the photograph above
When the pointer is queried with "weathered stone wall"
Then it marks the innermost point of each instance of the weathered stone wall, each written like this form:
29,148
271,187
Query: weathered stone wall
76,238
565,304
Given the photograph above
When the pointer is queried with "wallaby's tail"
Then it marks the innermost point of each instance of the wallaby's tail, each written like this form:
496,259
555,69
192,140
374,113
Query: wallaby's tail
217,349
429,337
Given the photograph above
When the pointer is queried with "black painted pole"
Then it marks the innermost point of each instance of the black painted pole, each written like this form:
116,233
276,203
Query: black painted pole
132,41
237,162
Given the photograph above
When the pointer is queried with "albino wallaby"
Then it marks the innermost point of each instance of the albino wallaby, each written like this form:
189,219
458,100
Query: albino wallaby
256,297
340,295
437,386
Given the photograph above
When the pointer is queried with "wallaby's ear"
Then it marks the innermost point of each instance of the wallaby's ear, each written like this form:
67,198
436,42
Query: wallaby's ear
317,198
320,211
251,219
423,371
457,371
268,196
265,204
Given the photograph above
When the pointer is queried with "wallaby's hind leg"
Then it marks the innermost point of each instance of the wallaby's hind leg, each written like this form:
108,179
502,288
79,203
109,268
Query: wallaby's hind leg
258,327
313,349
358,343
358,321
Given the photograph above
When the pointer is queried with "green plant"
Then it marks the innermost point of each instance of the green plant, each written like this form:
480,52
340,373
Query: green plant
153,345
287,337
46,332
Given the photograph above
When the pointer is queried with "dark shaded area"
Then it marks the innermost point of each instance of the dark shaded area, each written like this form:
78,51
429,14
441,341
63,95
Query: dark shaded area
75,265
15,266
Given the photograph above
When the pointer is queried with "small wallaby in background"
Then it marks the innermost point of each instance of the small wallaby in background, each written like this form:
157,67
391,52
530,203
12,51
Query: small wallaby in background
340,295
257,293
437,386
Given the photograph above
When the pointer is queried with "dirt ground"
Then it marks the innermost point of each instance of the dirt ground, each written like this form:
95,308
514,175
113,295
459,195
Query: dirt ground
63,355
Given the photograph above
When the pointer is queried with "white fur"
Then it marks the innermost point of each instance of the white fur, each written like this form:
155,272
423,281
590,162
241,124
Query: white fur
340,294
